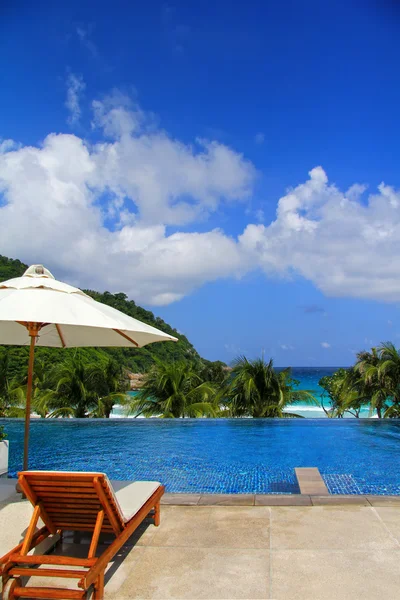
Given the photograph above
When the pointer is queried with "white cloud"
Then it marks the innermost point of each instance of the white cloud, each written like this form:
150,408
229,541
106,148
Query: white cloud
7,145
325,345
286,347
84,35
259,138
112,214
345,245
260,215
98,215
75,87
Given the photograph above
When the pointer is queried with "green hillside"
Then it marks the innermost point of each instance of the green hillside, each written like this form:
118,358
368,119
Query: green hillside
136,360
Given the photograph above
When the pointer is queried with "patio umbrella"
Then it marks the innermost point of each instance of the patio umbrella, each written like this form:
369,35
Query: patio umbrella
38,310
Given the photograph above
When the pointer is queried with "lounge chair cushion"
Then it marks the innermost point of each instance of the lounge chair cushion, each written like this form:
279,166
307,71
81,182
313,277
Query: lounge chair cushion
132,496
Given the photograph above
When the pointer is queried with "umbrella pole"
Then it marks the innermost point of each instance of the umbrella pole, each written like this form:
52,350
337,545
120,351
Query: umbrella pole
33,331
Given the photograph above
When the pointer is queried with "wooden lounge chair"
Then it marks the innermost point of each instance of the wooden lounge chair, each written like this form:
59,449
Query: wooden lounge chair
69,501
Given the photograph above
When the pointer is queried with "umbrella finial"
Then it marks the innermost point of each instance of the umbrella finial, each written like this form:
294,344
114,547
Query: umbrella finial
38,271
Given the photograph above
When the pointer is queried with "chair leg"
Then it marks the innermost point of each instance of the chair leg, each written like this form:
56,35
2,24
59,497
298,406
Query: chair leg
9,587
157,514
99,588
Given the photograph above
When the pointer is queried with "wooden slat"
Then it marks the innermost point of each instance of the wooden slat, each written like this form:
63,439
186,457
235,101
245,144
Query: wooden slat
109,510
70,495
75,511
31,572
42,475
73,519
79,521
26,489
83,527
96,534
71,511
62,523
72,503
60,489
26,544
46,519
89,508
51,559
53,482
42,592
53,512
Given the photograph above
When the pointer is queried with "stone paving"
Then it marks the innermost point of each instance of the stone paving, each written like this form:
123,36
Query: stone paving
204,551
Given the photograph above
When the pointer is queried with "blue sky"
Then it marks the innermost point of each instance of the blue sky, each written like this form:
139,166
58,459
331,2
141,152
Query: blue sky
151,148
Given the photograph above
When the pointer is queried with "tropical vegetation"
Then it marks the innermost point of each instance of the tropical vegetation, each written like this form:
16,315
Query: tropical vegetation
257,390
175,390
252,388
71,388
374,381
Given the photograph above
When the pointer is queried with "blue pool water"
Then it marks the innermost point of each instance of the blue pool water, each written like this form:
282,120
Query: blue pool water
219,455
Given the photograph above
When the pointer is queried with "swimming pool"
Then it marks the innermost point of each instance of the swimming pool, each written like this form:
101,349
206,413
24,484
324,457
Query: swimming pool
219,455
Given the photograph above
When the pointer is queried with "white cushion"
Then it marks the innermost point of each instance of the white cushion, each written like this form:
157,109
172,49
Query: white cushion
131,496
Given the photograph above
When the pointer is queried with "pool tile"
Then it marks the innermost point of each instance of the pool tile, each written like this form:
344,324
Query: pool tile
328,528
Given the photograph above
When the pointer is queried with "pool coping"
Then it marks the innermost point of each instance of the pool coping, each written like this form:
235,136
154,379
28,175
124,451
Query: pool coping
277,500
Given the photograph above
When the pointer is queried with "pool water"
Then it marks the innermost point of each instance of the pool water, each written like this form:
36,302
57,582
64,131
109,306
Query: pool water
233,456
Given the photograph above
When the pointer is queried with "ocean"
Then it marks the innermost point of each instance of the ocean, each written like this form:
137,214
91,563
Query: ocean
308,378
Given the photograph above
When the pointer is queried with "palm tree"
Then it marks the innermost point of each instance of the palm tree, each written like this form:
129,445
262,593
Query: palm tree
389,372
12,397
74,395
174,390
110,383
346,392
42,392
380,375
257,390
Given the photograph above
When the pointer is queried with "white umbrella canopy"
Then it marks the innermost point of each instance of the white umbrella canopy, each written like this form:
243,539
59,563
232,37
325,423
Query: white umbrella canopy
38,310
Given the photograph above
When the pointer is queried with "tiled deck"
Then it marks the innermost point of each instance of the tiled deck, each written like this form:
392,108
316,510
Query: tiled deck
249,552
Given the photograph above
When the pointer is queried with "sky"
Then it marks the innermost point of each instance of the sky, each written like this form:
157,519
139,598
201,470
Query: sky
233,167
